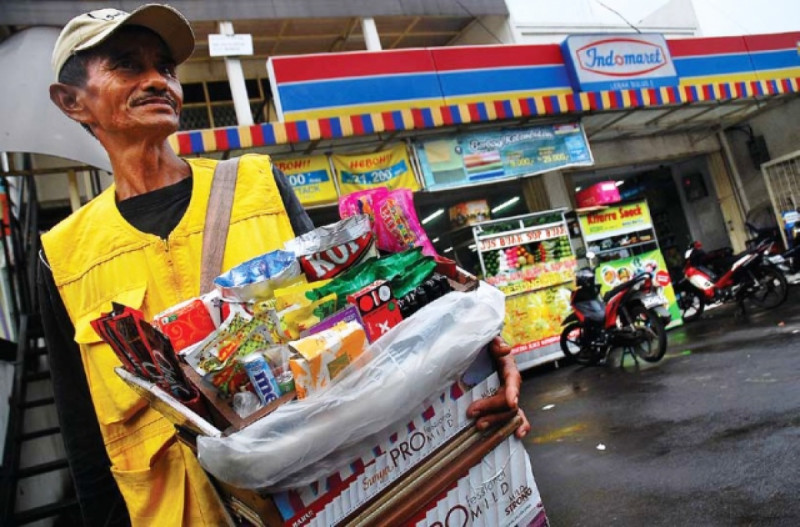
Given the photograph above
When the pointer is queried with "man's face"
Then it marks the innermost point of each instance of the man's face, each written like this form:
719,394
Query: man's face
131,86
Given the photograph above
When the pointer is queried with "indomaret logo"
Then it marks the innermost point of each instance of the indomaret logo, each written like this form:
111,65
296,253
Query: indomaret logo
621,57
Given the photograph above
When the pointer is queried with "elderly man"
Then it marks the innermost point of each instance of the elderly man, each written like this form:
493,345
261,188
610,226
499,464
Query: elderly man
139,243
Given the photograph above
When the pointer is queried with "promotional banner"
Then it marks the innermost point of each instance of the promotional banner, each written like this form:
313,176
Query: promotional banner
615,220
484,156
613,273
387,168
533,319
310,178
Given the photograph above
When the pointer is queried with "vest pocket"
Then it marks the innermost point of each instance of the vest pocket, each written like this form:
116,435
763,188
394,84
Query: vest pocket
152,479
114,401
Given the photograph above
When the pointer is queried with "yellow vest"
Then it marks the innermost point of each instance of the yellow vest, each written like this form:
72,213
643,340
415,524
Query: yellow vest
97,257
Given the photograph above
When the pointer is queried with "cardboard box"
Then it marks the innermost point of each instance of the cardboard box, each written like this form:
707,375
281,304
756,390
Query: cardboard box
499,491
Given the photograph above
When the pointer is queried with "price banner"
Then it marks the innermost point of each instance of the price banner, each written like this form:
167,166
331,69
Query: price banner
477,157
387,168
310,178
521,238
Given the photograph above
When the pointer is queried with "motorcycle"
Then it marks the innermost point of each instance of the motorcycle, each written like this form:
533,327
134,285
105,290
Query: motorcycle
631,315
749,276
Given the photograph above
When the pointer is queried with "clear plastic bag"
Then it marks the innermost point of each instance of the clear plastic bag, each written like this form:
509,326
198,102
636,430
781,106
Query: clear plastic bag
416,359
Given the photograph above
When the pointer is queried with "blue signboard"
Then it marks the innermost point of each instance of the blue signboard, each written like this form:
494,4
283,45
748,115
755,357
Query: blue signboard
618,62
484,156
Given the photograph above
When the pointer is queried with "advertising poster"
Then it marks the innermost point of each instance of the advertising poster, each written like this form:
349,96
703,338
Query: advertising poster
310,178
478,157
616,220
533,319
613,273
388,168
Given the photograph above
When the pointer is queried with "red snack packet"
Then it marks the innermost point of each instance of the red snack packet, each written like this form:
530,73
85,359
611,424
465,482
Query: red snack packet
185,324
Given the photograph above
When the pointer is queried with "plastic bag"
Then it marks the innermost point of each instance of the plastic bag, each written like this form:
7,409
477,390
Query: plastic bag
418,358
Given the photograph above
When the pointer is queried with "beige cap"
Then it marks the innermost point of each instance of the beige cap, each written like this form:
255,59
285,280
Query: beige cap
90,29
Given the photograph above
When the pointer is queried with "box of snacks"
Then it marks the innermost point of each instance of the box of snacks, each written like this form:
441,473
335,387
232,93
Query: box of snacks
304,374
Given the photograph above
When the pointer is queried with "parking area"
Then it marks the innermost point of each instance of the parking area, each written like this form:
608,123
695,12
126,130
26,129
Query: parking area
708,436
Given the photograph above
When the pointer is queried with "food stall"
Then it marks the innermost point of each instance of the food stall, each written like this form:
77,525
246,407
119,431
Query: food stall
625,242
531,260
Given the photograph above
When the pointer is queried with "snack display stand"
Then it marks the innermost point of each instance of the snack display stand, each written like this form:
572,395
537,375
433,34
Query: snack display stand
429,468
624,239
531,260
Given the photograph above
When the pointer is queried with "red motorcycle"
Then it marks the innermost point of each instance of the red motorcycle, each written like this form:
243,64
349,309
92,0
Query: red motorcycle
747,276
632,315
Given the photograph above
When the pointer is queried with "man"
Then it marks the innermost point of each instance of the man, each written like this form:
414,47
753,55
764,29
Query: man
139,244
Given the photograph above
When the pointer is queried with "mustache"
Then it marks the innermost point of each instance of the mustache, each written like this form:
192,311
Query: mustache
166,95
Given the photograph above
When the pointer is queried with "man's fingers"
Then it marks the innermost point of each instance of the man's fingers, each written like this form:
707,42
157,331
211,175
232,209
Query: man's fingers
491,420
494,404
499,347
511,380
524,428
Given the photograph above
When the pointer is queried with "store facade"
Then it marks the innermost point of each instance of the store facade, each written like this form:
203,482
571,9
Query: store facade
505,131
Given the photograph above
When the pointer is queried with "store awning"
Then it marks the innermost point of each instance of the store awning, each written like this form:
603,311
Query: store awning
29,121
700,110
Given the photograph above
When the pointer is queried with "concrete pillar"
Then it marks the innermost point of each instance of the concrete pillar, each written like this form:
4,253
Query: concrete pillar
371,37
241,102
557,191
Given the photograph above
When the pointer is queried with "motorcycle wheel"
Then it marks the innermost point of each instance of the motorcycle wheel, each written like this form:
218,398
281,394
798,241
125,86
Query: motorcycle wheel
773,288
691,303
571,338
654,348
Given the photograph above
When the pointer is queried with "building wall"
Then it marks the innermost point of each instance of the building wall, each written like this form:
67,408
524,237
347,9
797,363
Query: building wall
538,22
704,217
782,134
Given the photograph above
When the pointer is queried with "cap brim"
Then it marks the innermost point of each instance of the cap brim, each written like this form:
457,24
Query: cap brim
164,21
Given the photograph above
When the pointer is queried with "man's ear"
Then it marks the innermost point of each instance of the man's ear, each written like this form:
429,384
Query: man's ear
68,100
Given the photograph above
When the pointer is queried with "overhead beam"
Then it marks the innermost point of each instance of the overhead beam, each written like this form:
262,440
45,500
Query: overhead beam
59,12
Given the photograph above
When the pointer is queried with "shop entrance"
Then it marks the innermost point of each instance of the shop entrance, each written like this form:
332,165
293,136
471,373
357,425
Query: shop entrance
682,202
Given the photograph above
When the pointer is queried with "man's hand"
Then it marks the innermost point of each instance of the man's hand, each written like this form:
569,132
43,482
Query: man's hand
504,405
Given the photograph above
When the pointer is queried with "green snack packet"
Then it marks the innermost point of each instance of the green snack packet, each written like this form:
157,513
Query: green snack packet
404,283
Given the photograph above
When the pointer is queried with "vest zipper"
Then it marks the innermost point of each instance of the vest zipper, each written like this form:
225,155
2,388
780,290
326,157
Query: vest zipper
176,290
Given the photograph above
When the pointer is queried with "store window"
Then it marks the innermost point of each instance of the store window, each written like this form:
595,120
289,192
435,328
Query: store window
209,104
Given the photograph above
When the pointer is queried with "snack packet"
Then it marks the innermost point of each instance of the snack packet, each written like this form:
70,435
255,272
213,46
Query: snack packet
256,279
186,323
320,358
329,250
397,224
361,202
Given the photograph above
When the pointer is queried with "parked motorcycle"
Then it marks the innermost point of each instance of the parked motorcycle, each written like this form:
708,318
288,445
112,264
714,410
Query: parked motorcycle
748,276
631,315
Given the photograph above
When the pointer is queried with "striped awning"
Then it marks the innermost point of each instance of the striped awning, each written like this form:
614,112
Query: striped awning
292,132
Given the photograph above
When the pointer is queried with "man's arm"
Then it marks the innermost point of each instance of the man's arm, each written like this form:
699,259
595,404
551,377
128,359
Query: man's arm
298,216
100,500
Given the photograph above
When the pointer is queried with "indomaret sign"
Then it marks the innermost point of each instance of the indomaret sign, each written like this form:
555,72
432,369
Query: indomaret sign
618,62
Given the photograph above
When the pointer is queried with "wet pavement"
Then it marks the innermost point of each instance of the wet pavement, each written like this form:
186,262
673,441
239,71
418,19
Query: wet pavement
708,436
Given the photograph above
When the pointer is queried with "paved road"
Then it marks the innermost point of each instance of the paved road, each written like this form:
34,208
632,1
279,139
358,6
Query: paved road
709,436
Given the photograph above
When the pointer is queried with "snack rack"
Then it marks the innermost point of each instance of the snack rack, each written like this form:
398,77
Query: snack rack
531,260
624,239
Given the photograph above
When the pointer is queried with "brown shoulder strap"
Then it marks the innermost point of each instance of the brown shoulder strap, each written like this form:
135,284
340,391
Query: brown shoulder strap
218,218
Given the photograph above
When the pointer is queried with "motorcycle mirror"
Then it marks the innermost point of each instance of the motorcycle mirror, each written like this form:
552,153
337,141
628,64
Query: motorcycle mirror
591,258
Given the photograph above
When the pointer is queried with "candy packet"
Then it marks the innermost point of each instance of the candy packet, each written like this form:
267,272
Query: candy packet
186,323
361,202
256,279
397,224
329,250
